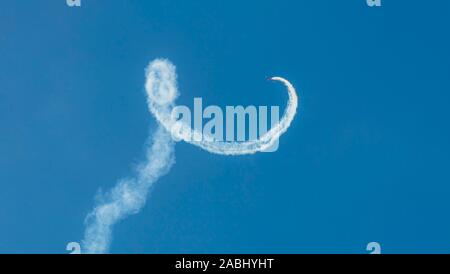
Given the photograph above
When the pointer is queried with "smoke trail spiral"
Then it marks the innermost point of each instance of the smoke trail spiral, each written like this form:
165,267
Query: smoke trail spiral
130,194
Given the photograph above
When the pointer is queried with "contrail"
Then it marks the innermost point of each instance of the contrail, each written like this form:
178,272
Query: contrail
161,78
129,195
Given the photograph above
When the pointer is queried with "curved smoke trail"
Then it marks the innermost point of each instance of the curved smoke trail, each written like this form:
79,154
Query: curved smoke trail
161,81
129,195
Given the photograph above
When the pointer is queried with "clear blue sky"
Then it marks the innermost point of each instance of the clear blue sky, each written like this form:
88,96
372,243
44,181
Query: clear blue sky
367,158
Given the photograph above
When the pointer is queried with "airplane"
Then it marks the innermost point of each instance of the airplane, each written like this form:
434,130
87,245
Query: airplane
269,78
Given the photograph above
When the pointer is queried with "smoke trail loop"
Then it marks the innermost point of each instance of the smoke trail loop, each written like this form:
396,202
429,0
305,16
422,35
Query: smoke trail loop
130,194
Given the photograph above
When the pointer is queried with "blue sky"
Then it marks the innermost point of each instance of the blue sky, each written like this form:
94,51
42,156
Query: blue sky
366,159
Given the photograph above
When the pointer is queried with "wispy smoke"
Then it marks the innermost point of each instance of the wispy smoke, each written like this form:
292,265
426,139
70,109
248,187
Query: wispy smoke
129,195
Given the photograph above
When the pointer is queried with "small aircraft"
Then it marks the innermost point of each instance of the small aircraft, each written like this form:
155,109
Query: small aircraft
269,78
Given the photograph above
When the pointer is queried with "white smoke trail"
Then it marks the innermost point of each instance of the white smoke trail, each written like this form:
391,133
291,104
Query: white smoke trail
129,195
161,79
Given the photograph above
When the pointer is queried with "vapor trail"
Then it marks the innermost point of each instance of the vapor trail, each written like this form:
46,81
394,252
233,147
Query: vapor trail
129,195
161,78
